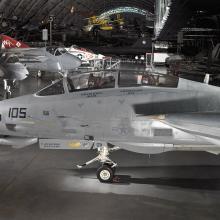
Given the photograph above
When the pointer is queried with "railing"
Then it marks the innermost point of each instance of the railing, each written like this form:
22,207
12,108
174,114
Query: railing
113,64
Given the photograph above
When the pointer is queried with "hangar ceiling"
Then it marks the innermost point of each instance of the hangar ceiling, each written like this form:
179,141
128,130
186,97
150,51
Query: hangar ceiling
33,12
24,19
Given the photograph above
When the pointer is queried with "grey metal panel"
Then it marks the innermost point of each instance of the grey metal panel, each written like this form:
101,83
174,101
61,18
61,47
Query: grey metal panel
163,132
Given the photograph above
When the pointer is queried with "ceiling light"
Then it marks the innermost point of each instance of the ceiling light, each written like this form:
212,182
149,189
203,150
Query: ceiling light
72,9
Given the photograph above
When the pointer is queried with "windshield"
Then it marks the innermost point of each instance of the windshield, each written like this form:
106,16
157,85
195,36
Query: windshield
55,89
60,51
143,78
93,80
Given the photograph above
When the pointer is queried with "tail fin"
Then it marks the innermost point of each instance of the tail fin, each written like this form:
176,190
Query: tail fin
8,42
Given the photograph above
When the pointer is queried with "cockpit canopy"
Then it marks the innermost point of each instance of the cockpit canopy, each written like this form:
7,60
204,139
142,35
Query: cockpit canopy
80,82
108,79
128,78
92,80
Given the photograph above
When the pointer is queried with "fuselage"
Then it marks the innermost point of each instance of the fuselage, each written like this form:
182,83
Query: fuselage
126,115
46,59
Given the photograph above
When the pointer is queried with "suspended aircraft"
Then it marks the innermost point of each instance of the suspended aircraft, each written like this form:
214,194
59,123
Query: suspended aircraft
137,111
105,24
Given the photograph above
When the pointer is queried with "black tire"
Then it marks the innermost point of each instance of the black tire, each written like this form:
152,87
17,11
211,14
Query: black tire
105,174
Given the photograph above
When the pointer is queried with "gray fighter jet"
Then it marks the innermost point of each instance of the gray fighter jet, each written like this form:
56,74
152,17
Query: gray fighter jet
46,59
111,110
49,59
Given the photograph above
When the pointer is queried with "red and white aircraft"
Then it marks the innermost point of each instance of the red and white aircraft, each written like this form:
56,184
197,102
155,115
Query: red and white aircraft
84,54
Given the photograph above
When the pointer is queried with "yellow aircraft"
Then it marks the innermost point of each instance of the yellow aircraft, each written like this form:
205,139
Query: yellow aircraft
105,24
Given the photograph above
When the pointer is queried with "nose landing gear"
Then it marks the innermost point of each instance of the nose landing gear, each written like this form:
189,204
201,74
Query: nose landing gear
106,171
7,90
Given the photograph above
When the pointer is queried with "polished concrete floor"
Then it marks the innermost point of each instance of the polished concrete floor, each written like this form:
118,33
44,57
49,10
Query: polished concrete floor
45,184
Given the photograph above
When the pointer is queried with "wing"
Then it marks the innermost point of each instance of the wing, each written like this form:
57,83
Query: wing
29,54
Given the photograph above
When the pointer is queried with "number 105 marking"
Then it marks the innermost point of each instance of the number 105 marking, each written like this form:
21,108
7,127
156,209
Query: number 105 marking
17,113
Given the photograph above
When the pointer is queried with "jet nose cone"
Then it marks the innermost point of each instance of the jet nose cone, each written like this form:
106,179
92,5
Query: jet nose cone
76,61
71,62
19,72
13,71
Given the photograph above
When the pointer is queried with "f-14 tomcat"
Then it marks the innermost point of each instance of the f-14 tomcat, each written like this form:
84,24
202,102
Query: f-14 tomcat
137,111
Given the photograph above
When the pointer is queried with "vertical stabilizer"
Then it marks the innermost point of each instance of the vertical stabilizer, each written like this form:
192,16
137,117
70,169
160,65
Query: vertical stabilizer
8,42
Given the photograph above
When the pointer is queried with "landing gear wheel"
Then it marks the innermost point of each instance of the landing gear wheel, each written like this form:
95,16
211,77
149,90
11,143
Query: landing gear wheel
105,174
110,166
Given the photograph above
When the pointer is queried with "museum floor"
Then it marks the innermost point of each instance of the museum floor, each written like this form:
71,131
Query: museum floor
42,184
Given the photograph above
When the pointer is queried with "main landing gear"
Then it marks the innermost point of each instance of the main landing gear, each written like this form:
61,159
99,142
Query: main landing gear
106,171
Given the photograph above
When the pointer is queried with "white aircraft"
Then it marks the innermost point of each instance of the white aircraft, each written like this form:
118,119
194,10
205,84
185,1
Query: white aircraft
85,55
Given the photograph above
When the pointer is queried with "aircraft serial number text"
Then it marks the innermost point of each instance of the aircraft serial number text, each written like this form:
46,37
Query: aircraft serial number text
17,113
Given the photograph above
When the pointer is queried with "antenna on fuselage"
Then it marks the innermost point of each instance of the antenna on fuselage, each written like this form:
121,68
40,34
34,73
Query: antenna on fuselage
207,78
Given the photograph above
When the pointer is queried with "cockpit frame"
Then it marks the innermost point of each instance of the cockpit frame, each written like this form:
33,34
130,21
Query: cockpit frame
108,79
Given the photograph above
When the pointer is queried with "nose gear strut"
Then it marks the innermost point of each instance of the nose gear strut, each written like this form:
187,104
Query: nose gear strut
105,173
7,89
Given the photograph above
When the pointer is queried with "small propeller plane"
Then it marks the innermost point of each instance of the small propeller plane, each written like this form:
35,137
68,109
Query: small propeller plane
137,111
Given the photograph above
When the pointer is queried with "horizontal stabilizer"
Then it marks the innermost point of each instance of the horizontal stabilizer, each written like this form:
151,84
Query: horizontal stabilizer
214,152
